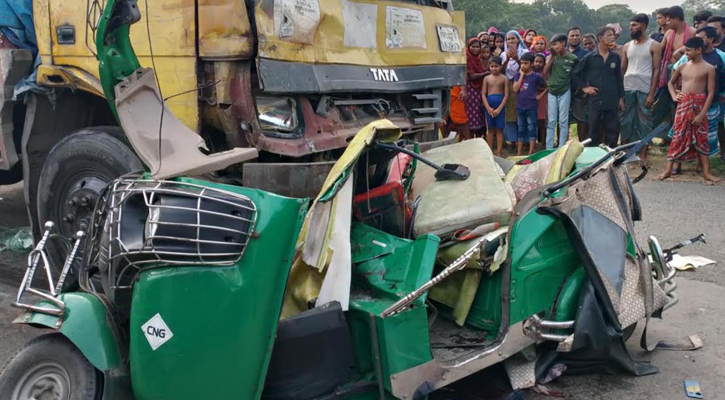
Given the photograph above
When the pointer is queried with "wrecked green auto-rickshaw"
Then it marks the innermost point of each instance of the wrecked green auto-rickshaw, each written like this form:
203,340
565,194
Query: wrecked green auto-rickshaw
416,265
183,281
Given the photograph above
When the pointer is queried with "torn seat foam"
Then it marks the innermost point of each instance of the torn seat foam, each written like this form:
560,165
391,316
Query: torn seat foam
447,206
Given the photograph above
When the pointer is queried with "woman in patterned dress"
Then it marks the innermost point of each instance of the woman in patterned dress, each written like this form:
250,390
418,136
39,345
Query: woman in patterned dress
476,71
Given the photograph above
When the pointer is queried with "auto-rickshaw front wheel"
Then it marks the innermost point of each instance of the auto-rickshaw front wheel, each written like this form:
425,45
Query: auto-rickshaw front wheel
50,367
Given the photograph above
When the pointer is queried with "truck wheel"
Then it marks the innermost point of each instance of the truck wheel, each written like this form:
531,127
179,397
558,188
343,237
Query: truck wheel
77,169
50,367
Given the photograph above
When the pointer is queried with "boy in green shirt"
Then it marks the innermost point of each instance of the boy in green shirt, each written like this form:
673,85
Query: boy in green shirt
558,77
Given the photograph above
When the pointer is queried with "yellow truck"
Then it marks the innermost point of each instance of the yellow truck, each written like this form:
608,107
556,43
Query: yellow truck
295,79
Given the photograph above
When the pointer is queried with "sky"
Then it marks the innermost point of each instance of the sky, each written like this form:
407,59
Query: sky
643,6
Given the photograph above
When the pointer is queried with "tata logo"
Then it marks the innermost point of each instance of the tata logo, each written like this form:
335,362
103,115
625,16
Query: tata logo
384,75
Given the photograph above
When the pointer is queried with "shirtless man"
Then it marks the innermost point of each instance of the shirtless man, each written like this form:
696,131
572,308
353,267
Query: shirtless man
675,20
495,93
693,101
676,36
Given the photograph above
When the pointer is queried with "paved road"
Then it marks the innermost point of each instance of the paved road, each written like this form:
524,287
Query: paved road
672,211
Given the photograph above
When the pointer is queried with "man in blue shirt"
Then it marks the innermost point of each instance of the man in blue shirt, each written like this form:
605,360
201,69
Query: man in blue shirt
574,37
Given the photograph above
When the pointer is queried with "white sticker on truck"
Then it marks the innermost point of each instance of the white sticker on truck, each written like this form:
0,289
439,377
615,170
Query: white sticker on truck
404,27
297,20
448,38
156,332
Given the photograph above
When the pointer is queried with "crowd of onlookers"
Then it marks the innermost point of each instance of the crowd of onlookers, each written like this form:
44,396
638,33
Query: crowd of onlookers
525,88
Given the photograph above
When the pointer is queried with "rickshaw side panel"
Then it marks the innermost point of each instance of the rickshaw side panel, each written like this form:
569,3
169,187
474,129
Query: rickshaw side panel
378,281
542,258
87,324
220,322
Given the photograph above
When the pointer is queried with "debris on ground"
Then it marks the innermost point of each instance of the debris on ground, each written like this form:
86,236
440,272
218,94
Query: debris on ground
692,342
692,389
684,263
515,395
19,240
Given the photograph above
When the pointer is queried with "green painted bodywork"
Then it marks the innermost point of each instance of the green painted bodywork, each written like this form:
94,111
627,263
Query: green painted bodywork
87,324
542,258
588,156
223,319
116,57
568,302
385,269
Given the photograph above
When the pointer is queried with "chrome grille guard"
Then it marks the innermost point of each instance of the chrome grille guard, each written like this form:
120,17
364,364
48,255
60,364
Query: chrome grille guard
185,224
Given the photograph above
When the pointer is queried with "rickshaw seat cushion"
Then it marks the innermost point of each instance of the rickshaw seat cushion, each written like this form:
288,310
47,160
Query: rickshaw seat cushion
447,206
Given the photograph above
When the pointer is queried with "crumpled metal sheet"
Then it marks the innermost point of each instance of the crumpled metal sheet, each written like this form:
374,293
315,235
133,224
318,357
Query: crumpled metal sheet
521,372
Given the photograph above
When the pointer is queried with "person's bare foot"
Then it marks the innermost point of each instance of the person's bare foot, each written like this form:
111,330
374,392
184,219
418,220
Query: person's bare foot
664,175
710,180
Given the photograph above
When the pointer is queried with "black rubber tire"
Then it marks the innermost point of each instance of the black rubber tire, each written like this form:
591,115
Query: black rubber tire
47,355
93,155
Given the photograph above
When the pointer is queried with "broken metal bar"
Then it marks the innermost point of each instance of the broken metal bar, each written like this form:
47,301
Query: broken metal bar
556,324
673,300
69,261
458,264
553,337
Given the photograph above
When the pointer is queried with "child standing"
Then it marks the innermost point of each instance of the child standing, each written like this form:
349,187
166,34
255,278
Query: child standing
558,72
526,85
539,63
495,92
693,101
498,45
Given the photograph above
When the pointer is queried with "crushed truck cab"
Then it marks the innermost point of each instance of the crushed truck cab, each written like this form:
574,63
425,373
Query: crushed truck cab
290,81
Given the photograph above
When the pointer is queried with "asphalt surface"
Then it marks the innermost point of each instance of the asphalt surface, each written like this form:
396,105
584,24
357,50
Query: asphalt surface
673,211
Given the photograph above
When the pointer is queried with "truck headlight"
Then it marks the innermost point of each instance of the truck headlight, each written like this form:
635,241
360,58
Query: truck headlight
278,114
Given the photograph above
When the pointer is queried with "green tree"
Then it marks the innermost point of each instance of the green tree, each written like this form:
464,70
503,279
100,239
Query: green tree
616,13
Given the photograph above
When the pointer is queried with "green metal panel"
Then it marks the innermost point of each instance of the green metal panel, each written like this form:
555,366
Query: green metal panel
588,156
542,258
116,58
86,324
223,319
568,302
386,268
404,341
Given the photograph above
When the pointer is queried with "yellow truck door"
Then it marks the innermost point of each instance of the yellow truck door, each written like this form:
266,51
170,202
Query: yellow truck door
66,31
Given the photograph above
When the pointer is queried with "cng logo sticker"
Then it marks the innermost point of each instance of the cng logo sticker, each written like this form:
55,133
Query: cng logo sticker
156,332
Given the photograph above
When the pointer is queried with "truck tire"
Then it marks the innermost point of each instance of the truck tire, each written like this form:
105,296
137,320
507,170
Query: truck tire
50,367
76,171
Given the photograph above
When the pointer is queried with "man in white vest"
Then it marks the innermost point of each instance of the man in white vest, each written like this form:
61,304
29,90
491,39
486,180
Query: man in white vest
641,58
